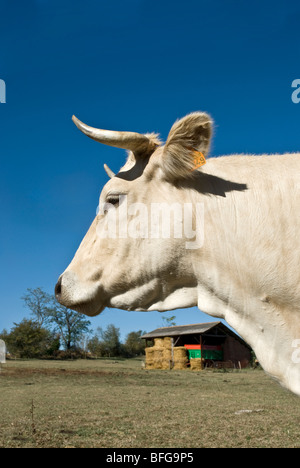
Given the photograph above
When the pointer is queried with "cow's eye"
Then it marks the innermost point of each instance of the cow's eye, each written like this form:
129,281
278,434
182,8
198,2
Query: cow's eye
113,199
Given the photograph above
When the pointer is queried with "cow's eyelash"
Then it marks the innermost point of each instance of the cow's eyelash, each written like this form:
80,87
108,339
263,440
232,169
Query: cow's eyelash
113,199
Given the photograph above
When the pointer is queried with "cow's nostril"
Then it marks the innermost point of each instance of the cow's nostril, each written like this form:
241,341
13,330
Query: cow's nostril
58,289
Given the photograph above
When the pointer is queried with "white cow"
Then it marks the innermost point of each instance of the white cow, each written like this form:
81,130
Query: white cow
243,264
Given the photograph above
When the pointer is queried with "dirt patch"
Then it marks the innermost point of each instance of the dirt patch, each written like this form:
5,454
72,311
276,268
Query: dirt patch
23,372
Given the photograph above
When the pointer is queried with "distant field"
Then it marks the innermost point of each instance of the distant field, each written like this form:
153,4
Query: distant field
113,404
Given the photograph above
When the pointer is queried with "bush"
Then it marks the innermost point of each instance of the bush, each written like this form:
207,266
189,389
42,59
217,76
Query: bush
29,340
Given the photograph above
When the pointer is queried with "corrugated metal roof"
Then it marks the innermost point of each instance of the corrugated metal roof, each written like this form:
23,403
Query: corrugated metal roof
181,330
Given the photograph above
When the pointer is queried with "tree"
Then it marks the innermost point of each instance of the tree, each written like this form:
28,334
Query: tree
169,321
49,313
38,302
4,334
70,325
134,345
28,340
111,340
106,342
96,346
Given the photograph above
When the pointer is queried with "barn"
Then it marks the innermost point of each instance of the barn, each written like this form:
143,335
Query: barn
196,346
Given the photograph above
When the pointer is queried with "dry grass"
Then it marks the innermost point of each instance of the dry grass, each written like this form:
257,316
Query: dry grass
115,404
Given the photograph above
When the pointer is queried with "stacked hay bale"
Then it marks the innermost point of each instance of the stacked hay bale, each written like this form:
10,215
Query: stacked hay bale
149,358
167,354
159,356
196,364
180,358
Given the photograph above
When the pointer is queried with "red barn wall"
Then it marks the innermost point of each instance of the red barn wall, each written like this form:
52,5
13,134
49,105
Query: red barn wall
236,352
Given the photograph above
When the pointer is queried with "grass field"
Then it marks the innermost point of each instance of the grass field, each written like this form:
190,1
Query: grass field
114,404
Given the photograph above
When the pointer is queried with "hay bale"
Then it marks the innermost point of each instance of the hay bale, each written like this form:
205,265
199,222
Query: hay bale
180,364
149,352
167,354
180,358
157,363
156,357
180,352
158,353
158,342
196,364
166,364
160,356
168,342
149,365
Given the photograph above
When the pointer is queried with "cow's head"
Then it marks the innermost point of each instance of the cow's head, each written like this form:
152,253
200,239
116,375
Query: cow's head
132,257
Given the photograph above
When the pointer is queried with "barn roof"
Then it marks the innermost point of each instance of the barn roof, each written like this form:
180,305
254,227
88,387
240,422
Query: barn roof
197,328
181,330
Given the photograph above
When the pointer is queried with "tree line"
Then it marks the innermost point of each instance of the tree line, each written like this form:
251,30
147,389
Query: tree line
54,331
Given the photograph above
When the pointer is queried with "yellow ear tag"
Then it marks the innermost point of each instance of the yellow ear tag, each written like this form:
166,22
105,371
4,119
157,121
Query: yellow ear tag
199,159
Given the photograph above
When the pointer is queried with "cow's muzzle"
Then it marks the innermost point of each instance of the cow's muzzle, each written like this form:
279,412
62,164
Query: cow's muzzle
58,289
87,298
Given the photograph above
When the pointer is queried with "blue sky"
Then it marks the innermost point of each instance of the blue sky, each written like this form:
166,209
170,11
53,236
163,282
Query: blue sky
136,65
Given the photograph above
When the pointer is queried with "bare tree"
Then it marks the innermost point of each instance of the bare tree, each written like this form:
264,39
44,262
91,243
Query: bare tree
47,312
37,301
70,325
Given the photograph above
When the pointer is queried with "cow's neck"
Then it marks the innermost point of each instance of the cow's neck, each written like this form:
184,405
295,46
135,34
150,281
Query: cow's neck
244,272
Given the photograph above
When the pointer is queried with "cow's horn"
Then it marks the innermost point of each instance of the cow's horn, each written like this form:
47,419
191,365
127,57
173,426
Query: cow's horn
108,171
135,142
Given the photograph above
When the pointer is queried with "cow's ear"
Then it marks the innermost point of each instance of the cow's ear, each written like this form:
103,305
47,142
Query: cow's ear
187,143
